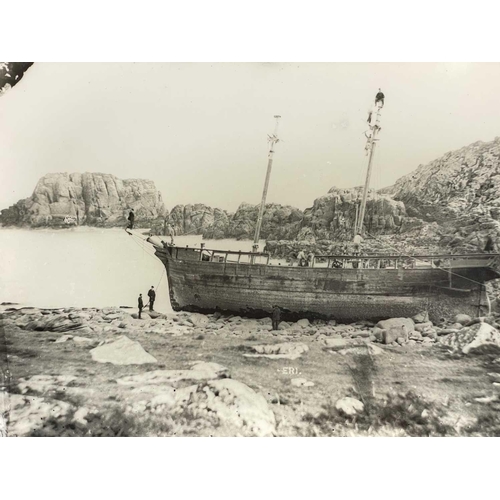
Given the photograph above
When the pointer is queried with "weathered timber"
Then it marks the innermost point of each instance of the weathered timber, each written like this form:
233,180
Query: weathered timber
205,284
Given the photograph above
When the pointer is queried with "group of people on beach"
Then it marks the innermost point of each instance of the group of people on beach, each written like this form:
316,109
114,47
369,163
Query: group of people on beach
151,302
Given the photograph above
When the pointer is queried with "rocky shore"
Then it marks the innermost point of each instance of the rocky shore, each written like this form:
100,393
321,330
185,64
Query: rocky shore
450,205
105,372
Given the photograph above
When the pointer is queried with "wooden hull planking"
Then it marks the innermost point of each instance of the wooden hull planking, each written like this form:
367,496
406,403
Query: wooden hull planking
343,294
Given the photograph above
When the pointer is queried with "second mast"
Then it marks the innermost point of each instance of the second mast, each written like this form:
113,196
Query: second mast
273,140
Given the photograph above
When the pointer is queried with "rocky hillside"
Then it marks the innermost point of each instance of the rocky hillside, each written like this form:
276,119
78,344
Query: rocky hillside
214,223
333,215
86,199
451,204
460,192
194,219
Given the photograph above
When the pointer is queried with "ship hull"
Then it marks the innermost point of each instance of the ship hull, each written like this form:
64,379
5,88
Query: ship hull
342,294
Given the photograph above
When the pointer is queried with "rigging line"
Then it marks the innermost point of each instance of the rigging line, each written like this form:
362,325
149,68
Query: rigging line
143,248
447,271
161,277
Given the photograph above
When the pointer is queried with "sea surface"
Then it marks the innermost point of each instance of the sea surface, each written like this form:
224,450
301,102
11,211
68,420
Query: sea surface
86,267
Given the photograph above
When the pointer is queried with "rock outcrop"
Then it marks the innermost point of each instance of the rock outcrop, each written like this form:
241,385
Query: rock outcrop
11,74
215,223
460,193
334,215
91,199
194,219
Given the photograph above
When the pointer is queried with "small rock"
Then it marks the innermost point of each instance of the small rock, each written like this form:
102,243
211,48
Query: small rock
423,326
301,382
80,415
349,406
422,317
63,338
83,340
463,319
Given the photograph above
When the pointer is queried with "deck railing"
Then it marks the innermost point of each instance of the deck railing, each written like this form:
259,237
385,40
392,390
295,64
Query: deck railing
343,261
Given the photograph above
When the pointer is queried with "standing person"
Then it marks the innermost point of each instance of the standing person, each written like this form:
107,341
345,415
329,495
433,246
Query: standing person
152,298
131,218
490,245
380,98
276,317
310,259
357,243
170,232
302,258
140,305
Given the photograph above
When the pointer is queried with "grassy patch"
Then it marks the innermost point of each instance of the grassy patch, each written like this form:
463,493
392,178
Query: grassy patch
407,412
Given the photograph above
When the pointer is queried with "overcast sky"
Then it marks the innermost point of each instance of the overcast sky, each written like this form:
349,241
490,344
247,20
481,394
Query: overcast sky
199,130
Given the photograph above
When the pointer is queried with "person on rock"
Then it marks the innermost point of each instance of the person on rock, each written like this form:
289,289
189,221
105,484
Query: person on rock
140,305
131,218
152,298
276,317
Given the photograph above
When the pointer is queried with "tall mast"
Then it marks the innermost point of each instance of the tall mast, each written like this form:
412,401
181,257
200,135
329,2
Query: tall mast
273,139
372,143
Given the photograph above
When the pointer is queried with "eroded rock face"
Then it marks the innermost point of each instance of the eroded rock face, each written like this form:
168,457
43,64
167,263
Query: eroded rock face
194,219
11,74
459,191
214,223
333,215
92,199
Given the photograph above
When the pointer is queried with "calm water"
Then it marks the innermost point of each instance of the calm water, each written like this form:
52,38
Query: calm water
85,267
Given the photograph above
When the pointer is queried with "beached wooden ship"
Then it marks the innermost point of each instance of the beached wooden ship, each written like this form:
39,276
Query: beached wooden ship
343,287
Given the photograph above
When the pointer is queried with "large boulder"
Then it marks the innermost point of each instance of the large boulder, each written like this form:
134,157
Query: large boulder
122,352
395,328
480,337
486,337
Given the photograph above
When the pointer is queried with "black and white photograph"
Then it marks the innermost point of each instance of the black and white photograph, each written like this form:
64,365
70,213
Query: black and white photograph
250,249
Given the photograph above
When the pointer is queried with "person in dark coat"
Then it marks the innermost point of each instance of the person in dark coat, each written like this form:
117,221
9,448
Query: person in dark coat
490,245
152,298
379,98
140,305
276,317
131,218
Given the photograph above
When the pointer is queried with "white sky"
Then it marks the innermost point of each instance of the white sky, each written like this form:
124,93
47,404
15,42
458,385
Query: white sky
199,130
